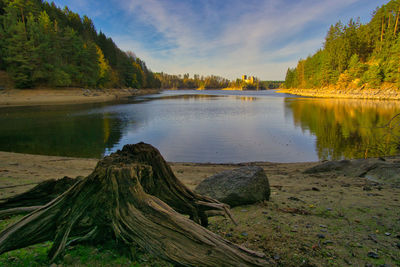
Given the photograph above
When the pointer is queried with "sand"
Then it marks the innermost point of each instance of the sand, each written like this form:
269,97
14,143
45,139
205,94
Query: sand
31,97
322,219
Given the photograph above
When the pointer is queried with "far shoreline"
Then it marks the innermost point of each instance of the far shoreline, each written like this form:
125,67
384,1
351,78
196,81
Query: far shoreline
66,96
358,93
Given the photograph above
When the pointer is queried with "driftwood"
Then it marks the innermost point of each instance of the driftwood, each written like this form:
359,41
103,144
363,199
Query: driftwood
132,196
35,198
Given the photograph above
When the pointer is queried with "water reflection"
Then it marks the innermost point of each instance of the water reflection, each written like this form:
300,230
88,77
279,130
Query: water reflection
214,126
64,131
247,98
347,128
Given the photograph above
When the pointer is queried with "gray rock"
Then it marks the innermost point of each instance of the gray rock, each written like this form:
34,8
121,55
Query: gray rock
373,255
374,170
245,185
328,166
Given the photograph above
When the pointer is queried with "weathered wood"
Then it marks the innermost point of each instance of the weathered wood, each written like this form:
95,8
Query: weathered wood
132,196
39,195
15,211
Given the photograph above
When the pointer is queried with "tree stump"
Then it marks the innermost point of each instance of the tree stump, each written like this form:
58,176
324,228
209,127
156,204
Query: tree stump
132,196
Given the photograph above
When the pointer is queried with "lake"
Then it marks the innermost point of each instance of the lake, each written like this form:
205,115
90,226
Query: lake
209,126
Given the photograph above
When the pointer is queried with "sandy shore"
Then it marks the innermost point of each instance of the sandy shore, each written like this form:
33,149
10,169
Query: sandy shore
32,97
358,93
320,219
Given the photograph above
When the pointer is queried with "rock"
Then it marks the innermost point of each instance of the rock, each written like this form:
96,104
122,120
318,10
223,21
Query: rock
328,166
245,185
68,259
320,236
375,170
373,255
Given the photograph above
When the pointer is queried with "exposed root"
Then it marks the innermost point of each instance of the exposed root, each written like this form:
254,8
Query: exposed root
134,198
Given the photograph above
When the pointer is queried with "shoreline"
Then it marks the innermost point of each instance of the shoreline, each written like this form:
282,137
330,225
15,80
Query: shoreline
70,96
326,218
359,93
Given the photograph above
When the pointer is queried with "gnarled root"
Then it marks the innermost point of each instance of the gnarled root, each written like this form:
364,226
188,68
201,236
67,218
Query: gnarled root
118,200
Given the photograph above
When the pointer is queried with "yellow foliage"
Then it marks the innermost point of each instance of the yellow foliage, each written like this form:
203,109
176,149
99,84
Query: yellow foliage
103,65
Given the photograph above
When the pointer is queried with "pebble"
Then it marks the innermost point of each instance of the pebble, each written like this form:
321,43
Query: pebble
387,234
329,209
323,226
228,235
277,257
243,210
320,236
327,242
265,212
373,255
12,259
244,234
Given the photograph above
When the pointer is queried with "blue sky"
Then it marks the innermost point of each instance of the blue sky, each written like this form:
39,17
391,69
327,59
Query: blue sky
226,38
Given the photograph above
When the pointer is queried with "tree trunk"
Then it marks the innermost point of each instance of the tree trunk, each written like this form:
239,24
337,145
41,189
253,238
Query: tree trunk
132,196
397,21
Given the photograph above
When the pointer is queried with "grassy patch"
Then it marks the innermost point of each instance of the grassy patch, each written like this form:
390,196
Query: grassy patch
109,254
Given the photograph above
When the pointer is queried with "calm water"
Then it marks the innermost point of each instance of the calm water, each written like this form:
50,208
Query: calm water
208,126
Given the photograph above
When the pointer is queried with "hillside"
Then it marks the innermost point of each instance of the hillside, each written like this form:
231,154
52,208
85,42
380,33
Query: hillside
355,55
44,45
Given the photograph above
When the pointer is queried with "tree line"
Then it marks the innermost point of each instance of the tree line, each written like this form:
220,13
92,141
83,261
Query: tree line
354,54
44,45
184,81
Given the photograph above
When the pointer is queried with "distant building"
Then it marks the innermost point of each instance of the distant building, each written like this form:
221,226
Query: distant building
250,79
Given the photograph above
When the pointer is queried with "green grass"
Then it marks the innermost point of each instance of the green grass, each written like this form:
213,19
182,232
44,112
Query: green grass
109,254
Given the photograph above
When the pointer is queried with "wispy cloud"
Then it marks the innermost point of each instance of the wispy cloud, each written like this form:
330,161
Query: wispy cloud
227,38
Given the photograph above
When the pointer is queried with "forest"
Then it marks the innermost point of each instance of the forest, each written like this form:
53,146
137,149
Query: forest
184,81
355,55
44,45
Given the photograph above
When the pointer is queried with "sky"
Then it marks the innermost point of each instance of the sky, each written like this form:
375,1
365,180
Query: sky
227,38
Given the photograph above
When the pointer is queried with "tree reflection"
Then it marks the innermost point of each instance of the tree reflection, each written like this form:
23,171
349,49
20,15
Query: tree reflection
348,128
63,131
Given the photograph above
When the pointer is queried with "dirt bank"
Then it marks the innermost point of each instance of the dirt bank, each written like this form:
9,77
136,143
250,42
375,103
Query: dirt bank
32,97
316,219
388,93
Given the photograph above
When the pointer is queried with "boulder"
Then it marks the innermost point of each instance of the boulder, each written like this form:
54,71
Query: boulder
245,185
376,170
